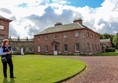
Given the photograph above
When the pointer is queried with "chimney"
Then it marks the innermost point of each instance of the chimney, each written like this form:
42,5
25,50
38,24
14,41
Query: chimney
80,21
58,23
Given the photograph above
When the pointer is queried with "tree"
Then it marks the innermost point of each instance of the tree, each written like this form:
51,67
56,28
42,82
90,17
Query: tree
115,41
106,36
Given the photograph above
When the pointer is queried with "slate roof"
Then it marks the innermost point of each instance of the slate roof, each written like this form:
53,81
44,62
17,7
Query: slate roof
60,28
5,19
21,40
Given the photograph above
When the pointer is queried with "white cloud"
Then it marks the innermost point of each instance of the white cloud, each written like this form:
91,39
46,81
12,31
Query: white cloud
32,16
62,2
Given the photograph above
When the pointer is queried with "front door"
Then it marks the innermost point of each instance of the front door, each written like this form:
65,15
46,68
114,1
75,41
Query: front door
55,45
55,49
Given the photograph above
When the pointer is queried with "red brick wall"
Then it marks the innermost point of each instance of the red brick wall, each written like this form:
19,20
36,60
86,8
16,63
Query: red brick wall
4,33
83,39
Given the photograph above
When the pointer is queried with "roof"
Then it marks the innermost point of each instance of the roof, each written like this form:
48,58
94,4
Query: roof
105,40
5,19
21,40
60,28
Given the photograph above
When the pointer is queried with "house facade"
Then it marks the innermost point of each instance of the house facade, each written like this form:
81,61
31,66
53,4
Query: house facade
4,27
27,45
105,43
73,38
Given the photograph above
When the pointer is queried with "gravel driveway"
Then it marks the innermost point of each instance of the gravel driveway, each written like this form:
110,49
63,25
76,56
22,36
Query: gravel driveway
99,70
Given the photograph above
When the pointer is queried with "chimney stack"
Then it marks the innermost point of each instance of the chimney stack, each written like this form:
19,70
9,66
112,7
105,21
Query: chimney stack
80,21
58,23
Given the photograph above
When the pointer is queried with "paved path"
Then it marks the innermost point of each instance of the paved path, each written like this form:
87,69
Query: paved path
99,70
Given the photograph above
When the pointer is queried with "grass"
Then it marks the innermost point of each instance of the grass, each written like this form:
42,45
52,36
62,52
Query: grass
41,69
107,54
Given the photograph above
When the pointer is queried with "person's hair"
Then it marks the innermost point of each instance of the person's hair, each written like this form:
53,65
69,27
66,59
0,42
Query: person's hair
4,42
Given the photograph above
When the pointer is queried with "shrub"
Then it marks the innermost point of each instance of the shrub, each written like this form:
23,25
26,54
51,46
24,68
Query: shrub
110,50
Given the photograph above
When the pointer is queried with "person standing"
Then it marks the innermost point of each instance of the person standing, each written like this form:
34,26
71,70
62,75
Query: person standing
6,52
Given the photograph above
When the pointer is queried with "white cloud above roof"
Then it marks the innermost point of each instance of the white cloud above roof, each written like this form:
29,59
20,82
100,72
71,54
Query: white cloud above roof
32,16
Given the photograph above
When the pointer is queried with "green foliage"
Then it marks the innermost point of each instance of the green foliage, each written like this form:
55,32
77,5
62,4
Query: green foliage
43,69
115,41
107,54
106,36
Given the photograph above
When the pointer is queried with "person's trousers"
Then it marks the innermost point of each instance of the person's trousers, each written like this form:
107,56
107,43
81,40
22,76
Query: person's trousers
10,63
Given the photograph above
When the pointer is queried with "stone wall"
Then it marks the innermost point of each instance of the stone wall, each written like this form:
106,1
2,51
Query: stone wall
26,44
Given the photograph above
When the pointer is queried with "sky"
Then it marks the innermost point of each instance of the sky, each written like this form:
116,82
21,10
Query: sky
30,17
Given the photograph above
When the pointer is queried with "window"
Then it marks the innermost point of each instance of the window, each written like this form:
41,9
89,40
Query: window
76,34
39,49
92,35
88,46
1,39
96,47
55,36
65,36
87,34
46,37
46,48
93,47
76,47
65,47
1,27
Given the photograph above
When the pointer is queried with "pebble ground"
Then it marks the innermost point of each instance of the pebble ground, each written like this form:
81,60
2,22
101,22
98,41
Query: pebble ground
100,69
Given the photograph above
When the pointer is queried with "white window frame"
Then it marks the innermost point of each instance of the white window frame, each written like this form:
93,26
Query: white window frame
39,48
65,36
76,47
1,27
76,34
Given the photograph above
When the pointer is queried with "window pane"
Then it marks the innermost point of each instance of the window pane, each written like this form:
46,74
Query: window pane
1,38
65,36
46,37
65,47
77,47
76,34
39,49
1,27
46,48
55,36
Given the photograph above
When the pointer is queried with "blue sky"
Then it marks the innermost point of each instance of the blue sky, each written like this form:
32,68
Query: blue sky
82,3
90,3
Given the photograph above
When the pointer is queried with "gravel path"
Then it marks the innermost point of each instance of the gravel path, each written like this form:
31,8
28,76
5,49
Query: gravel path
99,70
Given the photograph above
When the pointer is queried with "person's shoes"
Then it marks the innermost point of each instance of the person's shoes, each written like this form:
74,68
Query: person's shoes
12,77
5,77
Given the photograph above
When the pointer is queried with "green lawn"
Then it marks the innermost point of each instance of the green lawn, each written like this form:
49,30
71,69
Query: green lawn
107,54
42,69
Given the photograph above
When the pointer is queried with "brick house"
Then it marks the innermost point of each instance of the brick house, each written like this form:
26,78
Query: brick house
73,38
105,43
4,27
